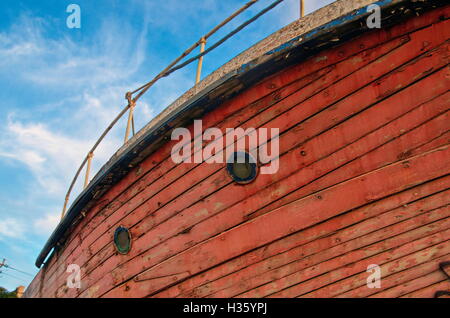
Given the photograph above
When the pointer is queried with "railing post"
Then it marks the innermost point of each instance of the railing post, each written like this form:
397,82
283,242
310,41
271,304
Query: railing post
66,200
200,60
88,169
302,8
131,104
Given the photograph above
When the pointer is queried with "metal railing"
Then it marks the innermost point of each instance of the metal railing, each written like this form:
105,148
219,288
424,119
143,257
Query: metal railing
168,70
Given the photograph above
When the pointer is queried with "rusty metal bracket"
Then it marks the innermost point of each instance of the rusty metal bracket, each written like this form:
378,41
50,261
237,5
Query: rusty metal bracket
445,268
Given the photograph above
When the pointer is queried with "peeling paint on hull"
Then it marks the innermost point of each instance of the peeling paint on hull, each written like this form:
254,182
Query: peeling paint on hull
364,179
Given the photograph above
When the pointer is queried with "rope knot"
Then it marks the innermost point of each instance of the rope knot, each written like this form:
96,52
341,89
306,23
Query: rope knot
128,97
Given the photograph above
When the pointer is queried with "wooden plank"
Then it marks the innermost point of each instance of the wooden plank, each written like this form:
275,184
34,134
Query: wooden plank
352,263
285,103
329,259
325,59
34,287
411,286
383,146
332,56
344,69
407,200
430,291
392,274
167,230
183,213
136,181
152,186
443,139
307,253
287,220
226,217
113,249
171,192
445,268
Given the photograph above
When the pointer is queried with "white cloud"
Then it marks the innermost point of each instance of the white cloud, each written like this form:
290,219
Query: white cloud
46,224
11,227
92,77
113,54
50,156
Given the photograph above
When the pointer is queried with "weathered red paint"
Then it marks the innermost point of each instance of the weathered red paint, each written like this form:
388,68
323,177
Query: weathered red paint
363,178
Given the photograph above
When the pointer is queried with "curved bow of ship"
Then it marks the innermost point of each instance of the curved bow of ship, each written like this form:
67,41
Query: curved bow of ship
344,190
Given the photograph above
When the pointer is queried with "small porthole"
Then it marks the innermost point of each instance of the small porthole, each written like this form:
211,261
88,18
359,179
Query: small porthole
122,240
242,167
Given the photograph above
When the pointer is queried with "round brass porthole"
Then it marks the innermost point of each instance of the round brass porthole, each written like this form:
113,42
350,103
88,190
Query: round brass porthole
242,167
122,240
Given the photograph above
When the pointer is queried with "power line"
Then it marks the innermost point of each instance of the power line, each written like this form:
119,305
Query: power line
21,279
18,270
3,264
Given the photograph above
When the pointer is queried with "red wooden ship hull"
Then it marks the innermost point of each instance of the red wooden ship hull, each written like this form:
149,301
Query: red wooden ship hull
364,178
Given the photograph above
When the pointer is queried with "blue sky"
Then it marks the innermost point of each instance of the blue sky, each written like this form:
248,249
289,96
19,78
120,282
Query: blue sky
60,87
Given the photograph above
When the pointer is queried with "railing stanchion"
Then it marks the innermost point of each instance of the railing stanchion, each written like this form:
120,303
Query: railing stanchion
131,104
200,60
66,200
88,169
302,8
